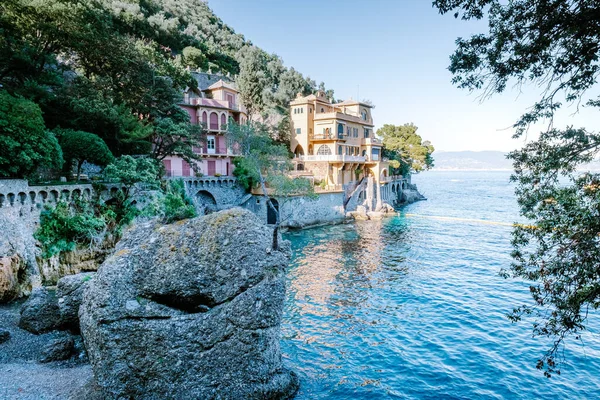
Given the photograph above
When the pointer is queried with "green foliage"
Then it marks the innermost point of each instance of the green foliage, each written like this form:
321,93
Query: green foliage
242,174
64,226
130,171
283,186
553,44
405,148
80,146
177,204
25,145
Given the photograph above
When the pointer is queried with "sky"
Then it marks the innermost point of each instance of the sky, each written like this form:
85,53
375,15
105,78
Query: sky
396,54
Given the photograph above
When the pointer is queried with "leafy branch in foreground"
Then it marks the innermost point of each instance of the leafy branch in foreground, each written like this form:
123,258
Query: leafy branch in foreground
556,46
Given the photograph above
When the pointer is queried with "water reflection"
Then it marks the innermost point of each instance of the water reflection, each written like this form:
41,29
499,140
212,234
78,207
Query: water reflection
409,308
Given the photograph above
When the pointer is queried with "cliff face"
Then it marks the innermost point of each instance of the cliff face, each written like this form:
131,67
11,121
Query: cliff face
21,266
18,266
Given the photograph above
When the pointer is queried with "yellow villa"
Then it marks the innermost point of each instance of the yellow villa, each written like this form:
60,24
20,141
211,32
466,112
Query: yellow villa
335,143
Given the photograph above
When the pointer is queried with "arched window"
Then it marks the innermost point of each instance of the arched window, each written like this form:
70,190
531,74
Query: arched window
223,121
340,131
324,150
322,110
214,121
364,115
205,118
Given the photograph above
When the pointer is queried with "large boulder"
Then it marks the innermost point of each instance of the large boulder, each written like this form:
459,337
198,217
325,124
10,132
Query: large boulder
40,312
190,310
69,292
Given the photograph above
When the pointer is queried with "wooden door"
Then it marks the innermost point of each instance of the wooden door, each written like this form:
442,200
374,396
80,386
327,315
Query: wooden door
211,168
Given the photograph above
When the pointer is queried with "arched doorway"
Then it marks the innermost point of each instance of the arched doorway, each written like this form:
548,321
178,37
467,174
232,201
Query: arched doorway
272,214
206,200
298,151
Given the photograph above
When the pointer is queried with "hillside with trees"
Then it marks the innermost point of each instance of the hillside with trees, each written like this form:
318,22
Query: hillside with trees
117,69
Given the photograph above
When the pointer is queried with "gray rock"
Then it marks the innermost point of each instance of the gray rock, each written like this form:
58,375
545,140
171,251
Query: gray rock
69,292
190,310
58,350
4,336
40,312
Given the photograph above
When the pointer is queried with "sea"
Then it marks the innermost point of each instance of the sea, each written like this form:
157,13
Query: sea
413,307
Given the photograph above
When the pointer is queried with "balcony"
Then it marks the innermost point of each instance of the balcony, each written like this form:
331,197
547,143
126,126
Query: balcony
371,141
327,136
218,151
214,103
319,116
333,158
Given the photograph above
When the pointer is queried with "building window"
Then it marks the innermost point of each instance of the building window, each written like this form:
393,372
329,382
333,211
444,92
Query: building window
340,150
214,121
364,115
340,131
375,154
322,110
366,133
210,143
298,131
348,131
223,121
295,111
310,110
204,119
324,150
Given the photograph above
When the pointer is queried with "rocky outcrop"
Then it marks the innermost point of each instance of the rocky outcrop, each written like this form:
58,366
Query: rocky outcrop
18,269
58,350
190,310
40,313
72,262
69,292
13,272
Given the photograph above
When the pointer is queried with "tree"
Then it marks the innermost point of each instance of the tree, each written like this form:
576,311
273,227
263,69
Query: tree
554,44
405,148
80,146
131,173
178,138
25,145
252,81
265,164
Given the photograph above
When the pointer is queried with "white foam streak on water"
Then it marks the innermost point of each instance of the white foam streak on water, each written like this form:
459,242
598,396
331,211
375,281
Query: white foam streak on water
414,307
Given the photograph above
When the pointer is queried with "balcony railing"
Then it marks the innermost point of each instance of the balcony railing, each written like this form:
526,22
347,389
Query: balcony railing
327,136
218,151
199,101
370,140
333,157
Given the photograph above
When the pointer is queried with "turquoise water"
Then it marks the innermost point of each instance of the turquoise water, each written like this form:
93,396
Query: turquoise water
413,307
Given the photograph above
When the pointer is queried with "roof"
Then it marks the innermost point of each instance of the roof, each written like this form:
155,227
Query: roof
353,103
206,80
220,83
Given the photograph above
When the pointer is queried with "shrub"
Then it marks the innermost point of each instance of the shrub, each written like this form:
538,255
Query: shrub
64,226
177,205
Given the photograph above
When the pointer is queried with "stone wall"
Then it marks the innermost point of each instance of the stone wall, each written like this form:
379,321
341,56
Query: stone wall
220,192
21,267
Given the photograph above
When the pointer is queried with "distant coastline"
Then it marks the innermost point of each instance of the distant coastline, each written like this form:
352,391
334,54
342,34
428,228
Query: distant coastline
483,161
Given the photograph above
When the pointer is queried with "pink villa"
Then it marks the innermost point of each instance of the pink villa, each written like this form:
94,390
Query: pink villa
211,105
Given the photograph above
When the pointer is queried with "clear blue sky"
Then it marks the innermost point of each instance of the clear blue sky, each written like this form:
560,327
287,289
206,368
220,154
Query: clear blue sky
394,53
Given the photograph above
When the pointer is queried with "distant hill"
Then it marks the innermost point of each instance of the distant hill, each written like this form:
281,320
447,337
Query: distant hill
471,160
484,161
